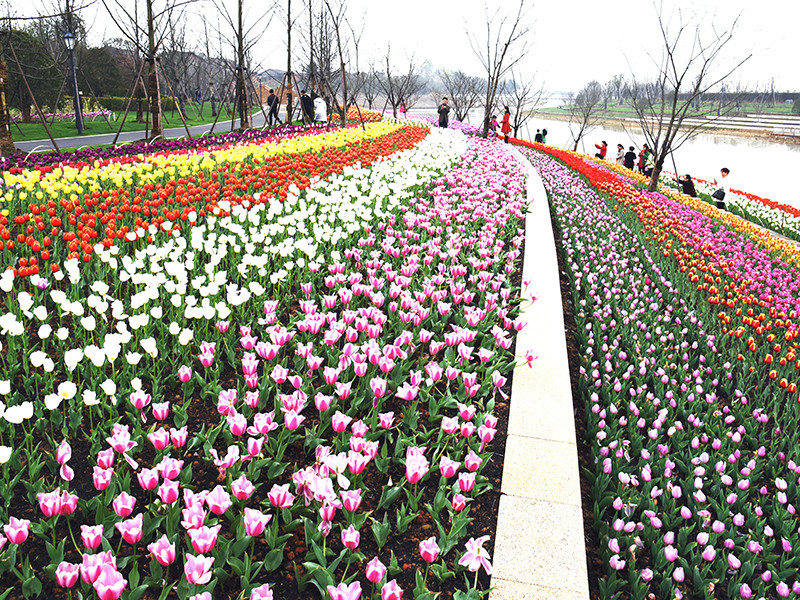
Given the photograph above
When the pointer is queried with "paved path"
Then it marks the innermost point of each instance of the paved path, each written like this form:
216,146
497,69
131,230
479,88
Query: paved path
223,125
539,548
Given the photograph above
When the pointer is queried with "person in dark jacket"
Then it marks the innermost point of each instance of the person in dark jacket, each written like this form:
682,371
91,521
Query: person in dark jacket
444,112
630,158
273,103
687,185
308,107
538,137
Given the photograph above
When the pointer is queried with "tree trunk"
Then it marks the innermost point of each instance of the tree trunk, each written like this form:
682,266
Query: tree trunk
241,89
6,141
153,88
26,113
659,165
289,63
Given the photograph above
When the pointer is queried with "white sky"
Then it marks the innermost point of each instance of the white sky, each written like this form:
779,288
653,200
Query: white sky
571,41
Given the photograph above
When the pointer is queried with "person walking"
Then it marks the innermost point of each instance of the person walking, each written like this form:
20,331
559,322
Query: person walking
273,103
687,185
544,136
538,137
308,107
320,110
620,154
649,165
723,187
603,147
630,158
402,110
444,112
505,128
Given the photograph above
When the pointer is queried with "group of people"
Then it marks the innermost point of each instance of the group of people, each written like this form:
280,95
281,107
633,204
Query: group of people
504,124
645,165
313,111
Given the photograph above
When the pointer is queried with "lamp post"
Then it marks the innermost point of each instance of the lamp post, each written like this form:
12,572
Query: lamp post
69,41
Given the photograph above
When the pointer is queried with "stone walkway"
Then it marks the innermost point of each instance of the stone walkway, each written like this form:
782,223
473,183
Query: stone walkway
539,548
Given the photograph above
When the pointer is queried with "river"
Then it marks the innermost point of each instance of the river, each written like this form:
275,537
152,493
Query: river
758,165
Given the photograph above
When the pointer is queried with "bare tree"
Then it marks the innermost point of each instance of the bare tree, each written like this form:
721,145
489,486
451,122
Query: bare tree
464,91
147,35
242,39
685,71
505,45
371,86
522,96
583,109
404,87
338,19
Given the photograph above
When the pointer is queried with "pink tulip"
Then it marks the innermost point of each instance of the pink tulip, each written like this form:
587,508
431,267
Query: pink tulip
351,537
170,467
67,574
340,421
429,549
204,538
459,502
255,521
198,569
351,500
110,584
140,399
375,570
292,420
16,530
131,529
345,592
193,516
218,500
101,478
184,373
178,436
280,497
466,481
448,467
242,488
163,551
323,402
148,478
63,453
91,536
391,591
50,503
378,386
168,491
472,461
105,458
262,592
123,504
385,420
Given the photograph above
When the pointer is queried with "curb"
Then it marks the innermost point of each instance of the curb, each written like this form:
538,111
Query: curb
539,548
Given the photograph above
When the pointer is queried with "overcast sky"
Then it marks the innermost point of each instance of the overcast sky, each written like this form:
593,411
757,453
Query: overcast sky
571,41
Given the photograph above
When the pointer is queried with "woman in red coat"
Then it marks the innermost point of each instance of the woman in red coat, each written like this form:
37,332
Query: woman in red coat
505,128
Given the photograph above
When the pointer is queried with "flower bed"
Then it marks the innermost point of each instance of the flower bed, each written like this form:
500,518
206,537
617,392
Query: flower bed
128,199
158,419
688,372
66,116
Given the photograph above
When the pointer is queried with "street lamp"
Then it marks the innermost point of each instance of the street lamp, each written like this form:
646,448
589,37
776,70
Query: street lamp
69,41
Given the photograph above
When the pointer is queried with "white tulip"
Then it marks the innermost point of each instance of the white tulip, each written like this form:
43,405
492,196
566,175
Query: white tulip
109,387
62,333
5,387
5,454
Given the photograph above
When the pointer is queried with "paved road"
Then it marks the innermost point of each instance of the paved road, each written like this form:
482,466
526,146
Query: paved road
222,126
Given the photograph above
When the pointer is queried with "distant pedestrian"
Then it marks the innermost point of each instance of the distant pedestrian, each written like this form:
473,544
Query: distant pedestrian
308,107
320,110
544,136
198,97
649,165
687,185
643,153
538,137
630,158
722,189
444,112
402,109
273,103
505,128
603,148
620,154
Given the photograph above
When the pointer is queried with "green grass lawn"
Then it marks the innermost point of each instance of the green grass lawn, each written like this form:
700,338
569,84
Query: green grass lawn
97,125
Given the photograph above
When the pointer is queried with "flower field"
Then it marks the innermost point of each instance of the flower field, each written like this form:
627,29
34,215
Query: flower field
262,368
687,328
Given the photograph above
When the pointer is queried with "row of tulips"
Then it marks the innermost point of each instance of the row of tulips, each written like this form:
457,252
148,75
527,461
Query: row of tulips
382,294
122,200
90,114
695,445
